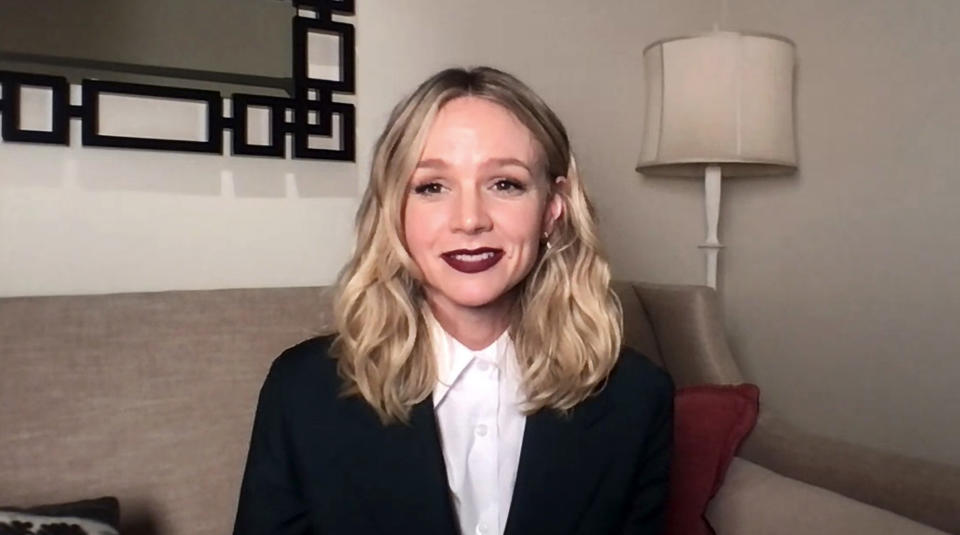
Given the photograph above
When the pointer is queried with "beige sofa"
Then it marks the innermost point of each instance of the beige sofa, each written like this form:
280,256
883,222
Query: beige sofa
149,397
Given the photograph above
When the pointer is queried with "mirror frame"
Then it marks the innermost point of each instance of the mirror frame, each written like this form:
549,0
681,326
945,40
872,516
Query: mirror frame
311,104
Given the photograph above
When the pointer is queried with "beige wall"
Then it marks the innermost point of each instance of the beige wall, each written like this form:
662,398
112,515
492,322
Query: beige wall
839,282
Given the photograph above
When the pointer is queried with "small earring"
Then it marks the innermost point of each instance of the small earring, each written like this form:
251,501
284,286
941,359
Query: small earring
546,240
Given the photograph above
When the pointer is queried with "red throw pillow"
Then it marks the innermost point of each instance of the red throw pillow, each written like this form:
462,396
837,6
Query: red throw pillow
709,423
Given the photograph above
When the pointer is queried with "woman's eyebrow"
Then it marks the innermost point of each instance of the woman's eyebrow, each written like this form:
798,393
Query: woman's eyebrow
503,162
437,163
432,163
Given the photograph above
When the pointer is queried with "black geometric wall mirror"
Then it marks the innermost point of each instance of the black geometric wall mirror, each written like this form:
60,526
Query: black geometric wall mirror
300,97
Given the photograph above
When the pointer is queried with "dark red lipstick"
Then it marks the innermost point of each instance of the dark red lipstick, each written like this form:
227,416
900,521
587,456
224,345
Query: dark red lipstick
473,260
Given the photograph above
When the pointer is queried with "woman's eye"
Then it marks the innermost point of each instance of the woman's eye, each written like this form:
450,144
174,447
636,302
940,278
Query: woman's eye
430,188
508,185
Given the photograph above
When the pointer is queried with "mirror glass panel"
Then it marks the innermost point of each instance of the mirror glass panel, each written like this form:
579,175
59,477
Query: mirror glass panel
216,44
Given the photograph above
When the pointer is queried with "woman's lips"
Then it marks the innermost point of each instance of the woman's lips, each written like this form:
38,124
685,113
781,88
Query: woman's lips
473,260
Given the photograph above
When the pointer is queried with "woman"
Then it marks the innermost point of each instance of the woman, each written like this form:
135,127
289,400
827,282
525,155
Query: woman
475,383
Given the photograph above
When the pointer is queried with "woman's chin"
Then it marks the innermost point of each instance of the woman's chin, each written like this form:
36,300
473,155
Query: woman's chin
475,298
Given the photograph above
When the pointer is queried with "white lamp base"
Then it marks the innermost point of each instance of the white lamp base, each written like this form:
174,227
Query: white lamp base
711,247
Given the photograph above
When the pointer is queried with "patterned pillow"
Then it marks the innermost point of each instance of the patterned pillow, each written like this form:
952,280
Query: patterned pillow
99,516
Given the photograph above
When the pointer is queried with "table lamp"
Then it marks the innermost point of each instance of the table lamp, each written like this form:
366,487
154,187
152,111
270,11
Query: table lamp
718,105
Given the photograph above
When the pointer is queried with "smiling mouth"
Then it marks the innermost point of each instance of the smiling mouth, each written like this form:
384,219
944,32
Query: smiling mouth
473,260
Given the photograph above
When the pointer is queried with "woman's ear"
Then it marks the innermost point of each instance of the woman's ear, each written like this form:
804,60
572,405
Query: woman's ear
555,204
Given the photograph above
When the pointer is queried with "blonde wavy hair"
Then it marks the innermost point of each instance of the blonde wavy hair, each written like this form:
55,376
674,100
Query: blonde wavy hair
566,324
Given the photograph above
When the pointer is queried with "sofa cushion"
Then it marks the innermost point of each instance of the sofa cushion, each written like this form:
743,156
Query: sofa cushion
99,516
759,501
710,421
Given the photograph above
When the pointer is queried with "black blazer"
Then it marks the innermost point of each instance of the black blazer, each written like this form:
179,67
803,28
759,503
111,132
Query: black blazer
323,464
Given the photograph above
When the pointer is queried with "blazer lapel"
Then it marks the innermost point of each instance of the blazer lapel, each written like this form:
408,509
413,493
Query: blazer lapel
401,472
562,460
401,477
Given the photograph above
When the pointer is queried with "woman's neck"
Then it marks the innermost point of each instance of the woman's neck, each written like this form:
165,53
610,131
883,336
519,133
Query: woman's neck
474,327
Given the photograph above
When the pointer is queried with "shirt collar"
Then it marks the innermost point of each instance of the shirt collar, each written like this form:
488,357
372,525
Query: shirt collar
453,357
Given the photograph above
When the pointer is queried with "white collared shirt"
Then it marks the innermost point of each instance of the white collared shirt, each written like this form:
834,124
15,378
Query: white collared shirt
477,401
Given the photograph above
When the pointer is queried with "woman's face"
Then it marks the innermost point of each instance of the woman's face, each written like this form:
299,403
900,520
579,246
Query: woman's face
477,205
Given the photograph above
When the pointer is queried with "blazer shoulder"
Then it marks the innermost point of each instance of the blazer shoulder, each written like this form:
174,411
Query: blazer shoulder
307,364
637,375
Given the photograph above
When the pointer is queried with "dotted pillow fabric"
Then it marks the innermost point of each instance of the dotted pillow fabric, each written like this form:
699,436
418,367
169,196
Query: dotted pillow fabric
99,516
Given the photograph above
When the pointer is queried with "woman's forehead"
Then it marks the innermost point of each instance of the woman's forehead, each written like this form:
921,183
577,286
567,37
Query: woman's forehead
471,130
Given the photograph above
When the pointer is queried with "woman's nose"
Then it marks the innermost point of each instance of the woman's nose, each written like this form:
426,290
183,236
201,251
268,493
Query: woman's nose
471,214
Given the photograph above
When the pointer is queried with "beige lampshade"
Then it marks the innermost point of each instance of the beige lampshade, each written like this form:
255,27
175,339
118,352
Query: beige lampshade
721,98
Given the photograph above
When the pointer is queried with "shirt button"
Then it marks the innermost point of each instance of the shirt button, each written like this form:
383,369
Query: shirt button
482,529
482,365
481,430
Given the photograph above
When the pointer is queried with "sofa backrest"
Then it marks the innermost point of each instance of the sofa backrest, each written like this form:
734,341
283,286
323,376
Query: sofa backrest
149,397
